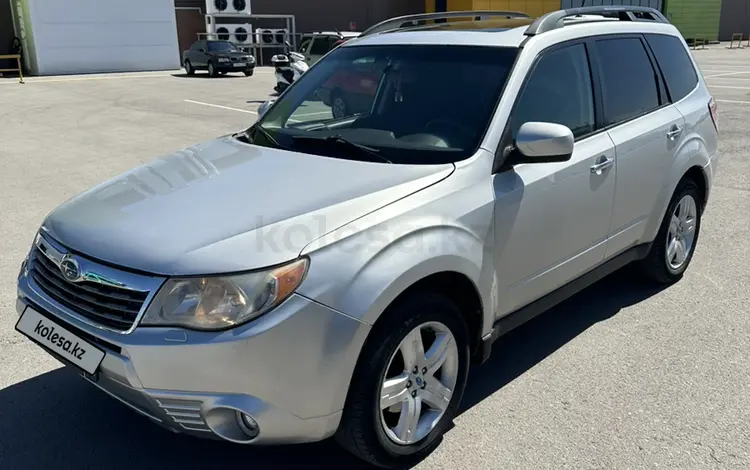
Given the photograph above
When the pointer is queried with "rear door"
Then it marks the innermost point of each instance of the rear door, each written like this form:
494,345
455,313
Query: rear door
645,128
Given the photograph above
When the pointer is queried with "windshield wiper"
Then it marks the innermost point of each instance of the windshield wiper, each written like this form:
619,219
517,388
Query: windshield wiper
336,140
267,135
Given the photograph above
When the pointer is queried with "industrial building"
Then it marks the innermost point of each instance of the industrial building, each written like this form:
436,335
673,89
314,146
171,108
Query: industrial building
83,36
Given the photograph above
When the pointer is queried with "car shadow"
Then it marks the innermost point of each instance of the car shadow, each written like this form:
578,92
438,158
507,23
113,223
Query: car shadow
57,420
199,75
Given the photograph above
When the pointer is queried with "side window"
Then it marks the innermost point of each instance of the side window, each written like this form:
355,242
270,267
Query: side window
322,45
305,44
558,90
199,45
675,64
629,82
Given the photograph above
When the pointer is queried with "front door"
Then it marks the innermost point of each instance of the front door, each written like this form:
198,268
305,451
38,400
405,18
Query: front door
552,219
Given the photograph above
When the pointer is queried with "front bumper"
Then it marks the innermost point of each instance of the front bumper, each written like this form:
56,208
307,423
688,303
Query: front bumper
229,67
289,369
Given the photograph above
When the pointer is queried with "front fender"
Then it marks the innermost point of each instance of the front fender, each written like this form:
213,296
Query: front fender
364,273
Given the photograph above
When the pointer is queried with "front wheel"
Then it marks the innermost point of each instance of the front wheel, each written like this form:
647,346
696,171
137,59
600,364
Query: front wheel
212,71
189,68
249,73
408,384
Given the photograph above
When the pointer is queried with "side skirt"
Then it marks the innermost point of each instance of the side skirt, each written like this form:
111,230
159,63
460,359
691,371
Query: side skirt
524,314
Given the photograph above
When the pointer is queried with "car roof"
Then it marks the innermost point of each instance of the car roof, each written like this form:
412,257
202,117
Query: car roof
506,32
346,34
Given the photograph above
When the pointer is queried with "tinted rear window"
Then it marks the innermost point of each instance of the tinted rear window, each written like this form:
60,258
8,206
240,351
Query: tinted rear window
675,64
628,79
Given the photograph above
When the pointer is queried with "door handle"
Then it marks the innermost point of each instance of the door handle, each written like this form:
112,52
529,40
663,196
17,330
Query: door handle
602,164
674,132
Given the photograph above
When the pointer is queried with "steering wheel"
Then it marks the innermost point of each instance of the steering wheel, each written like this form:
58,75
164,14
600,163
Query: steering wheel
449,130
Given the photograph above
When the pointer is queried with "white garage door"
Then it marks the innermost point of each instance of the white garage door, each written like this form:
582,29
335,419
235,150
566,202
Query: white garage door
80,36
644,3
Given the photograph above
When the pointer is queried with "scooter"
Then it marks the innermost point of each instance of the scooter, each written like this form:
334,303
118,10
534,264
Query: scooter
289,67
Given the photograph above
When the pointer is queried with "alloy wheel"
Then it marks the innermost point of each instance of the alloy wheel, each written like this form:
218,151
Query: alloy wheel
681,233
339,107
418,384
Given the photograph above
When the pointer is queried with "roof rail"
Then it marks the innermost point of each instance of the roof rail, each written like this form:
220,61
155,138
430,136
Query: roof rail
554,20
400,22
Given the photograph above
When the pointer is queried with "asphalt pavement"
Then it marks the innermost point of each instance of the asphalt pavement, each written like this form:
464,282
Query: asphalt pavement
618,377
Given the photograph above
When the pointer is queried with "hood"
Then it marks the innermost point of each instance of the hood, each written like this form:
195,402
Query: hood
225,206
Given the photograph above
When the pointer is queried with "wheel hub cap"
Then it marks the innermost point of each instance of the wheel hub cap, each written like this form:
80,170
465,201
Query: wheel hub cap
681,234
419,383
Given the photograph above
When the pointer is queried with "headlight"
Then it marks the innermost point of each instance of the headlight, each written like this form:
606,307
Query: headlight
215,303
251,59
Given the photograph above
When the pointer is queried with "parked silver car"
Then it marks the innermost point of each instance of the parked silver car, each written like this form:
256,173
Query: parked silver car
316,276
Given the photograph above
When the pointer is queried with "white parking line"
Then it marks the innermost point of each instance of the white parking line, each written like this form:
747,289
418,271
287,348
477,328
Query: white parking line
313,114
247,111
733,101
726,74
729,86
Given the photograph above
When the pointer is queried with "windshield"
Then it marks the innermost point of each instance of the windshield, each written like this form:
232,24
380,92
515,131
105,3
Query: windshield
221,46
420,104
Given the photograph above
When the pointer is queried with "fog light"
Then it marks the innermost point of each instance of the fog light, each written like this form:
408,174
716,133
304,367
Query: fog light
249,425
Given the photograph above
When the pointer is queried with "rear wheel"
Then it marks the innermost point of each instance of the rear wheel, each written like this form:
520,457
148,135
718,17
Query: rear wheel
408,384
674,246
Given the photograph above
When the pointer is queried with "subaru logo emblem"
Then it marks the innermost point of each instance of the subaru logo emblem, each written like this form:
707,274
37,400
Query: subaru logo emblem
70,269
419,381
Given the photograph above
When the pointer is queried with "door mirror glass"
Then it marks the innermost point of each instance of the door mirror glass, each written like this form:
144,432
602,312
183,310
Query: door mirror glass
201,50
543,142
264,107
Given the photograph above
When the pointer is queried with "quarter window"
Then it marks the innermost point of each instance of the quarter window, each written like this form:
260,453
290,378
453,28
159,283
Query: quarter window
675,65
322,44
629,82
558,90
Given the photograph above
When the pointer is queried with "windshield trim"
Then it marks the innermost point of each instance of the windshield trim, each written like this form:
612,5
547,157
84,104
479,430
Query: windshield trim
461,155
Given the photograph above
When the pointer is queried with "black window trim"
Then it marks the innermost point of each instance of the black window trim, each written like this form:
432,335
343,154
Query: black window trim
664,100
661,71
501,162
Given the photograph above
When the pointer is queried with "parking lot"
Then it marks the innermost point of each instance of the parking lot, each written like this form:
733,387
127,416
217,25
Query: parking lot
617,377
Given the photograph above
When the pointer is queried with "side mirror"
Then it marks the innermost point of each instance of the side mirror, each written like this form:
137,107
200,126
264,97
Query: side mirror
545,142
264,107
201,50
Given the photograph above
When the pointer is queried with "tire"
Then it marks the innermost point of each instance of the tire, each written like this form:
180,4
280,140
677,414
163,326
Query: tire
364,429
212,70
249,73
659,266
189,68
339,105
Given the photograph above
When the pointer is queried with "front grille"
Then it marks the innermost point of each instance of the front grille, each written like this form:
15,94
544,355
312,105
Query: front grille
106,305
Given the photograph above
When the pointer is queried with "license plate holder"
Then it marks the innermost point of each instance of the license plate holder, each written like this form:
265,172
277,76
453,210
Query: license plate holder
240,64
66,346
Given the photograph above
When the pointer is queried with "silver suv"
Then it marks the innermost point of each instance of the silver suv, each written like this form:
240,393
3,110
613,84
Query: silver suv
314,276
